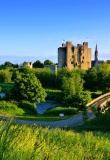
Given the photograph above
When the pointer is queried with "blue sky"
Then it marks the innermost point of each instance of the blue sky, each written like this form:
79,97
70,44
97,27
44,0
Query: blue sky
38,27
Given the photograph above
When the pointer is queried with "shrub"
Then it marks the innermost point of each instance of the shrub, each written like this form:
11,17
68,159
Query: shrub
28,88
5,76
28,107
54,95
10,107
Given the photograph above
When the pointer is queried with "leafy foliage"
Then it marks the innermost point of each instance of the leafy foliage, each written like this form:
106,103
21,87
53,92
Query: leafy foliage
98,78
48,62
38,64
54,94
78,100
46,77
8,65
28,87
28,107
10,108
72,88
5,75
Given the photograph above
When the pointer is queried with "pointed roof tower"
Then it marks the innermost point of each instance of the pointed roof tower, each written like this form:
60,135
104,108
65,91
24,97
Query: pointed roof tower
96,53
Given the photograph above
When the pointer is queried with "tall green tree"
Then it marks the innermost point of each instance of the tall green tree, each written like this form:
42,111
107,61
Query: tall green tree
72,85
90,78
46,77
98,78
103,77
48,62
28,87
38,64
5,75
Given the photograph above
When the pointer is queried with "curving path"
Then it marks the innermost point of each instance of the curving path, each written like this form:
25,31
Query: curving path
78,119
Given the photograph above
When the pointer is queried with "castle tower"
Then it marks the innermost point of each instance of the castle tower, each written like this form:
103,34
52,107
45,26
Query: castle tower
96,53
71,56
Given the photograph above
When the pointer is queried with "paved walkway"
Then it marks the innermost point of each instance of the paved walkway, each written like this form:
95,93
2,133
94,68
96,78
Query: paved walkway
56,124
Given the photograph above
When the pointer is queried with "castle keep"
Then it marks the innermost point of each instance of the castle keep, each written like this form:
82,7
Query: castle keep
71,56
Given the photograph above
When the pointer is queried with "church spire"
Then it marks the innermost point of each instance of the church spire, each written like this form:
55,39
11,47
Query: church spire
96,53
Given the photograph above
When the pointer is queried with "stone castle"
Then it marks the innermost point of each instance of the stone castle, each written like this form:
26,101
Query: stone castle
71,56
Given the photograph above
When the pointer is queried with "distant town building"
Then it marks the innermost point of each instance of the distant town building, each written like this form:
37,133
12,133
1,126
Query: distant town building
29,64
71,56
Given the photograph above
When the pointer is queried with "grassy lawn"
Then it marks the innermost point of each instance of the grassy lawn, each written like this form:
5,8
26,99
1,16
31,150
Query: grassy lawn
11,109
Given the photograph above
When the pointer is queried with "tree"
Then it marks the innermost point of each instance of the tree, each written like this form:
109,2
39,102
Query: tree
90,78
46,77
5,75
28,87
98,78
8,64
48,62
103,77
62,72
72,85
72,88
38,64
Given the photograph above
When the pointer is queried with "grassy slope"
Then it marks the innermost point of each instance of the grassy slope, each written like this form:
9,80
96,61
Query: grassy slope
31,142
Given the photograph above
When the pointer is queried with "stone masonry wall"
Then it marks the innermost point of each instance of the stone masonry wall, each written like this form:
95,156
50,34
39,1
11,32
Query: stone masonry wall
74,57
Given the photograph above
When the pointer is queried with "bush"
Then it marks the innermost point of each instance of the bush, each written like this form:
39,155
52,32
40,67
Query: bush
54,95
28,107
78,100
5,76
10,108
28,88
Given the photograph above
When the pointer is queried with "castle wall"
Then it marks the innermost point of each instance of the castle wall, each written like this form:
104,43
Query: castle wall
62,57
69,54
86,57
74,57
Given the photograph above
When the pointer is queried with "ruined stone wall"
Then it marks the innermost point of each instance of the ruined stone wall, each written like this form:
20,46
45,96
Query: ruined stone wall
86,57
69,54
74,57
62,57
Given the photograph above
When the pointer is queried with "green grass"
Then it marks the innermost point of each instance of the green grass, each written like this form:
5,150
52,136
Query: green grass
11,109
26,142
57,110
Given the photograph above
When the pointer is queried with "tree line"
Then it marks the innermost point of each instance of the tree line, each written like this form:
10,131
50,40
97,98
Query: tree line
76,85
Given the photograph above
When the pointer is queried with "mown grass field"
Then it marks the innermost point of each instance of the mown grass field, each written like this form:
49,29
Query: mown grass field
23,142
